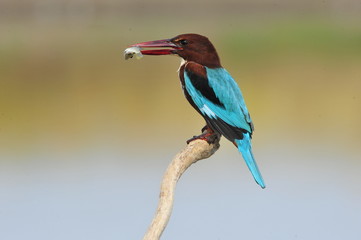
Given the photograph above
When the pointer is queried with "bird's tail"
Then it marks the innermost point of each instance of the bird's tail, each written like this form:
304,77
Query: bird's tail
245,148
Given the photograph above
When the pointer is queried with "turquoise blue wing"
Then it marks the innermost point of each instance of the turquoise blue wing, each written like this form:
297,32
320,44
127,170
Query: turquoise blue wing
232,109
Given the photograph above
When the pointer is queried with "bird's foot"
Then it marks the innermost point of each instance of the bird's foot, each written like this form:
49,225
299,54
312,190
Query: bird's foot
207,135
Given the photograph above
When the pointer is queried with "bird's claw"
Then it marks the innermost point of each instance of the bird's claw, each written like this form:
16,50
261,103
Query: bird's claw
207,135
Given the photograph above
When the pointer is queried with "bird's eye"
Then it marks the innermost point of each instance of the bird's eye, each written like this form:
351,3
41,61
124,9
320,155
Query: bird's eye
183,42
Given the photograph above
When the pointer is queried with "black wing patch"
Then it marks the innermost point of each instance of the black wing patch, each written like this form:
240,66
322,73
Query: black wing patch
228,131
202,85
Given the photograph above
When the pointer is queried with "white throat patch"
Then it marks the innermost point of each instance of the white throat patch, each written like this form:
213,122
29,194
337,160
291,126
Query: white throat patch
181,64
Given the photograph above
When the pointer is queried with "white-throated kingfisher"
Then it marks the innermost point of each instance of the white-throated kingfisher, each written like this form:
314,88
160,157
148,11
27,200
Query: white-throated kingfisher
211,90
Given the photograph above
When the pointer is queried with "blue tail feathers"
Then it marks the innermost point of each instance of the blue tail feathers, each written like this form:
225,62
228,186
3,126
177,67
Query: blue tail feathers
245,148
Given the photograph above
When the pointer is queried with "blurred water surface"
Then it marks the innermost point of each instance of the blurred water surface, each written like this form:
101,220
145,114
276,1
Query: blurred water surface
85,136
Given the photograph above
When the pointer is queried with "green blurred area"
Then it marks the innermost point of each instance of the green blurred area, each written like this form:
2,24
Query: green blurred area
64,82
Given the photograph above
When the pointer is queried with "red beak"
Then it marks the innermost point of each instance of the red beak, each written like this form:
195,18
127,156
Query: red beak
166,47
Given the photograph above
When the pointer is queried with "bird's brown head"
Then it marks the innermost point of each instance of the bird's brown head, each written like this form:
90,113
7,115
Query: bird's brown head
190,47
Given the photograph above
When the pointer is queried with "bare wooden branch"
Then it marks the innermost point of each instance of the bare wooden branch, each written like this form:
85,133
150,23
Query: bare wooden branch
195,151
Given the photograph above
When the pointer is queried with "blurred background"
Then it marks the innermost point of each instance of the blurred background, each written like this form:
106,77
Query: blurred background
85,136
